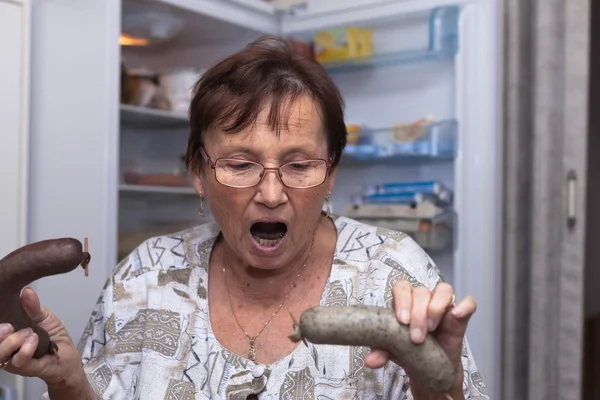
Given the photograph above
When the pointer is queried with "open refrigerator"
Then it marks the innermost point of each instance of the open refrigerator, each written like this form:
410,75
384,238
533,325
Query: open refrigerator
420,81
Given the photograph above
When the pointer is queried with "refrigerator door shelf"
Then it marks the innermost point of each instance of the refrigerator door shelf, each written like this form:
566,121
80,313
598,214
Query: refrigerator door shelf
433,234
436,142
442,44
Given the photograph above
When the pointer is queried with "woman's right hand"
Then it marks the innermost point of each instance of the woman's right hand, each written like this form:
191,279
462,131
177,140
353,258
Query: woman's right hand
61,374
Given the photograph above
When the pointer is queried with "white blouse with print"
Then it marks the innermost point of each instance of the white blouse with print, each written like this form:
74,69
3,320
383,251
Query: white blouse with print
149,336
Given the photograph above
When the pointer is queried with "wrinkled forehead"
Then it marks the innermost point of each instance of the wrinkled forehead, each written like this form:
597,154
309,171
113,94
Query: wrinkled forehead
289,125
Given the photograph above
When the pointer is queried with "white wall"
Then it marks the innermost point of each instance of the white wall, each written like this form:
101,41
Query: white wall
73,146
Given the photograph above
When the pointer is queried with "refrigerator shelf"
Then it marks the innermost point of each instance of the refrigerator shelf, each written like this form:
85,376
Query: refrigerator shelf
435,142
149,118
442,45
434,234
128,188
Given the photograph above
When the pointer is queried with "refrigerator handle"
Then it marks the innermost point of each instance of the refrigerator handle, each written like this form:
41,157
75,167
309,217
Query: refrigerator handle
571,214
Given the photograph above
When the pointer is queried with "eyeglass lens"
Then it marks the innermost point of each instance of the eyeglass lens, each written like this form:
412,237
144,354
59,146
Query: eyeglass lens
243,173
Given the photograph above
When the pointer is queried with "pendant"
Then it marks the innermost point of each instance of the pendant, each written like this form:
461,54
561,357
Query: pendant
252,351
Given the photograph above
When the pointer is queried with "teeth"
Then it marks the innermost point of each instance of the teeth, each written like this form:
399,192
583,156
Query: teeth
267,242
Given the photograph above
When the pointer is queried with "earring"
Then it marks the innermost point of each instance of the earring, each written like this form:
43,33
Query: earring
328,210
201,208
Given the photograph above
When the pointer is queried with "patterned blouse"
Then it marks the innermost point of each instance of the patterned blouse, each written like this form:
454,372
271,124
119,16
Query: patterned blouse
149,335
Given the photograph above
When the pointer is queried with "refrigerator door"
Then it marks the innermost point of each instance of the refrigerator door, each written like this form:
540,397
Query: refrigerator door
14,128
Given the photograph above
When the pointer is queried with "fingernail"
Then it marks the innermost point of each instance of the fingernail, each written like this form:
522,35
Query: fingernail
30,339
405,316
457,312
5,329
415,335
25,332
430,324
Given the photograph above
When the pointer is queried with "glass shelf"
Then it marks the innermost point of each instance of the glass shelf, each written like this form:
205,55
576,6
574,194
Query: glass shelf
148,118
127,188
442,45
431,227
436,142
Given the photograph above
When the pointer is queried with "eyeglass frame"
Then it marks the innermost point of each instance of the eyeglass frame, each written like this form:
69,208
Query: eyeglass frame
213,164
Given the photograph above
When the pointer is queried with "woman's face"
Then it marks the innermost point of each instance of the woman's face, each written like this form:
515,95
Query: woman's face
269,224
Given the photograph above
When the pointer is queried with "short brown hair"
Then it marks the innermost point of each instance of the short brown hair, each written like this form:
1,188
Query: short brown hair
267,72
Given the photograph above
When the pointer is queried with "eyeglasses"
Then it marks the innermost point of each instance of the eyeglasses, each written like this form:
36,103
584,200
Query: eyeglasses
238,173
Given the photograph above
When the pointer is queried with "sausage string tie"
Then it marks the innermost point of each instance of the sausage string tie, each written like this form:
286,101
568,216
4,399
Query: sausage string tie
252,339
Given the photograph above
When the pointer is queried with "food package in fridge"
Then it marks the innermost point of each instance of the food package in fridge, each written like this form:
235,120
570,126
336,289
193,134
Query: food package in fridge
400,198
177,85
301,47
138,86
353,133
423,210
409,132
433,188
164,175
430,225
338,44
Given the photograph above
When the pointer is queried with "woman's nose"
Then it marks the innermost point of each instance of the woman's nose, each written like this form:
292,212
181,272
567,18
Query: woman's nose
271,189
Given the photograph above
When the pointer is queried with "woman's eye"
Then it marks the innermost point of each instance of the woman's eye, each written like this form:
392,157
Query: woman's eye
241,166
298,166
236,165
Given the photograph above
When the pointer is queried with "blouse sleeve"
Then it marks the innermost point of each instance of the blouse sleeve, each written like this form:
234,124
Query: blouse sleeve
97,344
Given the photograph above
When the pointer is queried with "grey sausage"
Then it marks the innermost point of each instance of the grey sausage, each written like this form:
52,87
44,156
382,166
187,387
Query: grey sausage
378,327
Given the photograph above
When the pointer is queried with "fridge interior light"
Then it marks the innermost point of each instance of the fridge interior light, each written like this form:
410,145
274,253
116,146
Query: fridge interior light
152,26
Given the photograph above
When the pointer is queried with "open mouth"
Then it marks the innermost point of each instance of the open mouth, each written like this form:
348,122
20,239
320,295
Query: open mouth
268,234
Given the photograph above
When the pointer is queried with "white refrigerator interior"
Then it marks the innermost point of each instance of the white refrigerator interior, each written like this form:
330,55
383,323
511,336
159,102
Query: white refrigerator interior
421,108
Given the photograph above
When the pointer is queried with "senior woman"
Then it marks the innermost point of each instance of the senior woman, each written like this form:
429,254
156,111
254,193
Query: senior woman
205,313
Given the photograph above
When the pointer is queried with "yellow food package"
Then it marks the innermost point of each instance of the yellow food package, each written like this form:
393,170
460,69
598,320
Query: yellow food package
353,131
340,44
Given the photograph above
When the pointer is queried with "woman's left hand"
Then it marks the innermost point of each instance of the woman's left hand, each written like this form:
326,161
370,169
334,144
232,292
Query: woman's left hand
425,311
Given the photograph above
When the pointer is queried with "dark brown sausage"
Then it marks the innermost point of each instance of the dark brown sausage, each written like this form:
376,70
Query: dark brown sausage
30,263
378,327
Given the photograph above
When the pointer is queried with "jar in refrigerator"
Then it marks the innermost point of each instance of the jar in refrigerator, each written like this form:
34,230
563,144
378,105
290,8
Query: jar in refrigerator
177,85
139,87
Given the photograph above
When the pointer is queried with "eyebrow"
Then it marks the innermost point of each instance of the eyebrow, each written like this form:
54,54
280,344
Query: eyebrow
247,150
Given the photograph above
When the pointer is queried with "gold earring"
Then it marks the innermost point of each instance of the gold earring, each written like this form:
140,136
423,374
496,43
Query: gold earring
327,205
201,209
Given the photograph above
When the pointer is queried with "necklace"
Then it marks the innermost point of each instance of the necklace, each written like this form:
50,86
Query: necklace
252,339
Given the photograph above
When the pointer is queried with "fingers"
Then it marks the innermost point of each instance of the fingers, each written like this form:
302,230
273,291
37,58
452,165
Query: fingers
419,314
12,343
422,309
32,306
425,311
441,299
5,331
377,358
25,354
402,295
464,310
